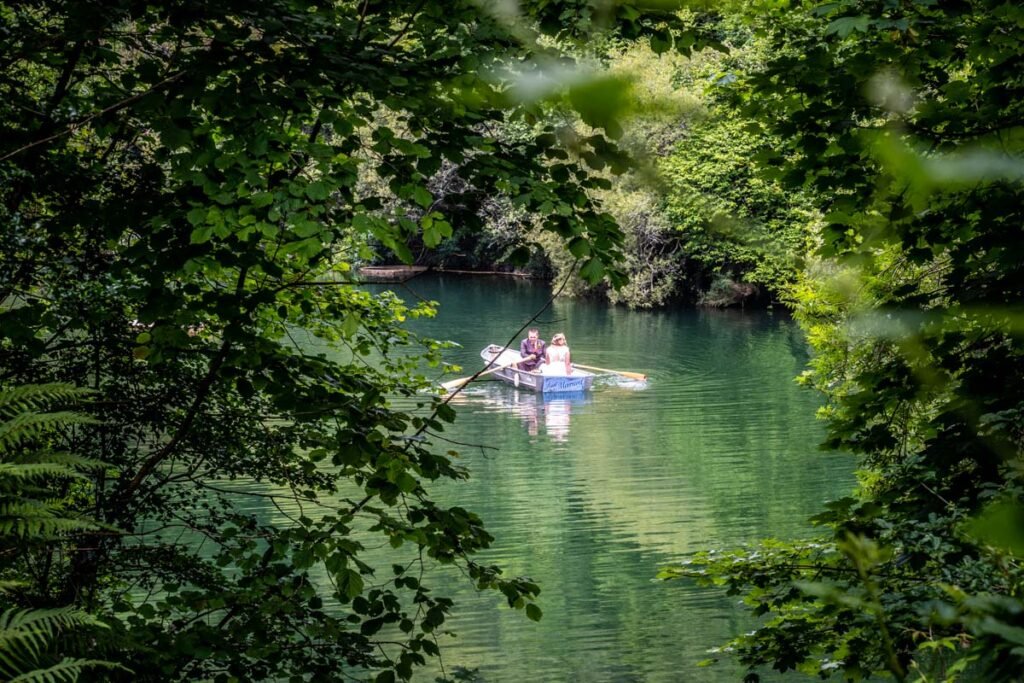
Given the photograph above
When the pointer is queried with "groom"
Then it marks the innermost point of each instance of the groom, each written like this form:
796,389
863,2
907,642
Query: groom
533,345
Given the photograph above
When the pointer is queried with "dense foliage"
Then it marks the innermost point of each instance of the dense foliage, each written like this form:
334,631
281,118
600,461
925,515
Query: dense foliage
182,186
742,229
904,119
700,224
741,236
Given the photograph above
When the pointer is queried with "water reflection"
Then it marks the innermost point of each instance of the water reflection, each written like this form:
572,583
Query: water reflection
548,414
590,495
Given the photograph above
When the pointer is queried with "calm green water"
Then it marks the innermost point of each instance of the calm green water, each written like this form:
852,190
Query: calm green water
590,495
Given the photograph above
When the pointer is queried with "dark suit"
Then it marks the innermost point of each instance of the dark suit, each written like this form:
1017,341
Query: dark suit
528,346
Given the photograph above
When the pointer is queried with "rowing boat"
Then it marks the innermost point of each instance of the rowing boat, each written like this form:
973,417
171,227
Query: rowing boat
579,380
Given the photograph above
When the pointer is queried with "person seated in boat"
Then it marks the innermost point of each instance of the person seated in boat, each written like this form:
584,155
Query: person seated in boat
532,351
557,360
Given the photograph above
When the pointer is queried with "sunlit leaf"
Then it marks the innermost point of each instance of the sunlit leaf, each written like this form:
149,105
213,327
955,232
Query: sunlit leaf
1000,525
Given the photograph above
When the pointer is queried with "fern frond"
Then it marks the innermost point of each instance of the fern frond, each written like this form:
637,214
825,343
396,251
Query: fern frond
62,458
24,507
32,425
43,528
21,648
31,511
50,619
66,671
25,635
32,471
38,396
25,518
28,509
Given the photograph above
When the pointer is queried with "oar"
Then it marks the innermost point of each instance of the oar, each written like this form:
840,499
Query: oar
631,375
456,383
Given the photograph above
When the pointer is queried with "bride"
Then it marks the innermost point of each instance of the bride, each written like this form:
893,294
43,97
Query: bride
556,357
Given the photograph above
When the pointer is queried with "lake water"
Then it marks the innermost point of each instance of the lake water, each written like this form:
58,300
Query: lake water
590,495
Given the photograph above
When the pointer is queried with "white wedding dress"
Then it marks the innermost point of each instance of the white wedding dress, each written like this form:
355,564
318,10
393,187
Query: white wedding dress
556,361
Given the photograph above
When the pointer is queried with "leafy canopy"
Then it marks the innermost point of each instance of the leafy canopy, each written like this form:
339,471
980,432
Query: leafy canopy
904,119
182,186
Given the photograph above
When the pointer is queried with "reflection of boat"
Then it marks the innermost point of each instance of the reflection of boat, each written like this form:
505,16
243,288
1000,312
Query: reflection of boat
553,410
549,413
558,409
579,380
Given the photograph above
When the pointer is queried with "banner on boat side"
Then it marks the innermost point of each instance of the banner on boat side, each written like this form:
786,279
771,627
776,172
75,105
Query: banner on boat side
563,384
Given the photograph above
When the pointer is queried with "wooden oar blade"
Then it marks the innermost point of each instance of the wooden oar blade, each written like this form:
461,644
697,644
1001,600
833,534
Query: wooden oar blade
623,373
634,375
455,383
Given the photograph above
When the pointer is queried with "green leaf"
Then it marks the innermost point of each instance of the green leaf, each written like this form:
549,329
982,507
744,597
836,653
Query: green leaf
261,199
592,271
422,197
371,626
306,228
197,215
317,191
174,137
406,483
661,41
403,253
602,100
844,26
201,234
431,236
579,247
350,583
446,412
350,325
1000,525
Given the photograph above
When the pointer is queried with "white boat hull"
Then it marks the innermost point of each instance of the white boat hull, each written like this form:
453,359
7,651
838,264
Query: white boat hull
579,380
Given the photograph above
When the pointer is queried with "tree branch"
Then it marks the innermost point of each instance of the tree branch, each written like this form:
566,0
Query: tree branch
70,128
202,391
